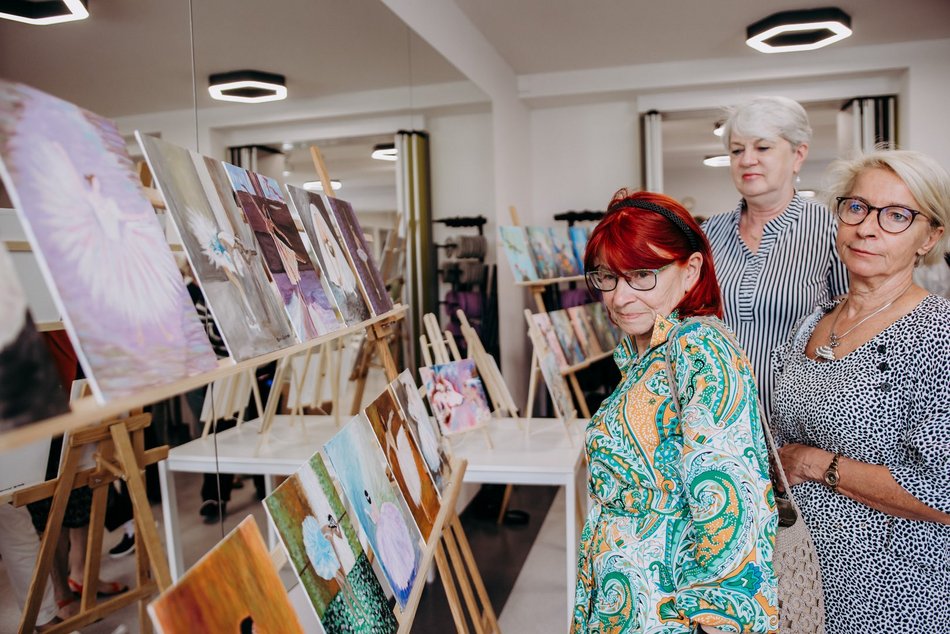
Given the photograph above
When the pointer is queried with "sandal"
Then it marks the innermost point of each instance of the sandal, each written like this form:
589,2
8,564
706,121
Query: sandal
106,588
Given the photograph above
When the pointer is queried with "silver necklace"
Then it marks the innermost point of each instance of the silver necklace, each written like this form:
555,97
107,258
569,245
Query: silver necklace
834,340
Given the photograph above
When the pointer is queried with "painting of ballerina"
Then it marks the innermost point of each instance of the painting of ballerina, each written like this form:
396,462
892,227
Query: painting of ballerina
325,553
230,273
348,231
379,507
424,428
457,396
99,245
30,388
405,460
234,588
329,254
312,311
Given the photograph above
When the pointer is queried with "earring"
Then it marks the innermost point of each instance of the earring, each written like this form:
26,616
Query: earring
798,179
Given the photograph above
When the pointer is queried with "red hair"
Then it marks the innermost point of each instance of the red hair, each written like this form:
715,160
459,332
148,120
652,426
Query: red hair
630,238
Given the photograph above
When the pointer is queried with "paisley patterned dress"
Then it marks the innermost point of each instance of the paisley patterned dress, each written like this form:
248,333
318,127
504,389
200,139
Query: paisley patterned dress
682,525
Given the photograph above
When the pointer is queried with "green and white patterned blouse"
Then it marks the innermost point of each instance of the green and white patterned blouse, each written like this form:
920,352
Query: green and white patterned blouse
682,527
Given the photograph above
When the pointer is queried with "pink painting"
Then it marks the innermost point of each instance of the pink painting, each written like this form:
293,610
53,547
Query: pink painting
456,395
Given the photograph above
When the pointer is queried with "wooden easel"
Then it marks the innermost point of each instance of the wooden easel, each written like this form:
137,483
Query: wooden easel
121,454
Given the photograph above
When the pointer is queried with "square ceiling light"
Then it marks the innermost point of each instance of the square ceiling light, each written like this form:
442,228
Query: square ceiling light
44,12
804,30
247,86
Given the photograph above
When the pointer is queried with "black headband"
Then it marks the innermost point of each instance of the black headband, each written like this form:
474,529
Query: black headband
695,242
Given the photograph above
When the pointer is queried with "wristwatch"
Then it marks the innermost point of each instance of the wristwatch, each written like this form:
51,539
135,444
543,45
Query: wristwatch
831,477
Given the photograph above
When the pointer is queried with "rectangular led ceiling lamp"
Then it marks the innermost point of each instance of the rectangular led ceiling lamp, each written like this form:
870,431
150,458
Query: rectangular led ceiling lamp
804,30
247,86
44,12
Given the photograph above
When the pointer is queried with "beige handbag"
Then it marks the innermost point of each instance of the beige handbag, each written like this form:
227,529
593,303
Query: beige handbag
800,597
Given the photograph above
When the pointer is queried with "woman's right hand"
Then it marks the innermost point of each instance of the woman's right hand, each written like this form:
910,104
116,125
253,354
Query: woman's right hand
803,463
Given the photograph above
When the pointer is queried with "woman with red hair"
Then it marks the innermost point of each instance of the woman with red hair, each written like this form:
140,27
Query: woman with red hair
681,530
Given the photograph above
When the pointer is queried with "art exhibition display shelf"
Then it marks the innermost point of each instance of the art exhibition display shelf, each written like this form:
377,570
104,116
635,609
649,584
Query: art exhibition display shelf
551,281
87,410
526,452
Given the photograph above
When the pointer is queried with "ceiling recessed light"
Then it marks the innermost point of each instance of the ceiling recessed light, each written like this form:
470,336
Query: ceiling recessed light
804,30
385,152
717,160
247,86
317,186
719,127
44,12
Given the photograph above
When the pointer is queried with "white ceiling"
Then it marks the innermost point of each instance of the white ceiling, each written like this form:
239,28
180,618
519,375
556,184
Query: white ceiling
155,55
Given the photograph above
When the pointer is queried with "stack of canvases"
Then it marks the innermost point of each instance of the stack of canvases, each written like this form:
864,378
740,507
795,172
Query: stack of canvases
111,272
391,464
544,253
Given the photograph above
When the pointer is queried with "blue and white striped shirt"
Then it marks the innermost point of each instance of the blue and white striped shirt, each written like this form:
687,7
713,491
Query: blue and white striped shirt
766,292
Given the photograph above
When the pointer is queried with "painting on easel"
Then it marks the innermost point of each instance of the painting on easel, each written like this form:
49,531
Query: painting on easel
542,249
234,588
405,460
329,253
379,507
311,309
233,282
515,243
30,388
350,233
551,372
566,336
325,553
607,333
424,429
567,263
579,237
584,330
457,396
99,245
543,322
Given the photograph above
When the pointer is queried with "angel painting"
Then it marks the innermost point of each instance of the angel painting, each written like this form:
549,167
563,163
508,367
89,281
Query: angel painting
99,245
405,460
426,432
330,254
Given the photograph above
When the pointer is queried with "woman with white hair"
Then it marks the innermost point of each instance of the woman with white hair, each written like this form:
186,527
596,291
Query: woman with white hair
862,405
774,253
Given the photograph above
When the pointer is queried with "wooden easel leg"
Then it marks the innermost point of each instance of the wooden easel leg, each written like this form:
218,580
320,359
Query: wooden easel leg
532,386
487,610
141,579
505,499
97,518
54,525
579,394
146,536
455,558
445,573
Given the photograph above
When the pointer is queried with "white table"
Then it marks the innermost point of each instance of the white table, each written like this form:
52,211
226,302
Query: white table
528,451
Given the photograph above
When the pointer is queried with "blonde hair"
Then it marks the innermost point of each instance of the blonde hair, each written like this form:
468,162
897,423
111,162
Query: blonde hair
927,180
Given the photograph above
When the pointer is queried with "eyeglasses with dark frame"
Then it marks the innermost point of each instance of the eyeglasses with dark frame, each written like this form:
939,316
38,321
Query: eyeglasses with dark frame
891,218
605,280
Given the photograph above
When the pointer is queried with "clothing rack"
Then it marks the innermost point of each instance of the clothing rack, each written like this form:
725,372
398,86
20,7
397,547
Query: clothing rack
472,284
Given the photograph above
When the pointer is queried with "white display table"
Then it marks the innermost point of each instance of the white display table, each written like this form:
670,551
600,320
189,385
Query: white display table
526,451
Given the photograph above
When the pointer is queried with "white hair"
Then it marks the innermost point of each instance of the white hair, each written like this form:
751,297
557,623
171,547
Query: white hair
768,118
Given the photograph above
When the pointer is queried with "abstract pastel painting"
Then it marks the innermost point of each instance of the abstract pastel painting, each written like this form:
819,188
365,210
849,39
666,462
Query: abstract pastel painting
30,388
379,507
405,460
542,322
349,232
330,254
325,553
567,263
545,260
515,243
457,396
229,272
557,384
584,331
99,245
424,428
234,588
605,330
579,236
566,336
312,311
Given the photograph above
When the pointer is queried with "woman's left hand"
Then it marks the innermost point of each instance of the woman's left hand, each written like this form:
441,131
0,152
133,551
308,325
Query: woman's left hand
803,463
